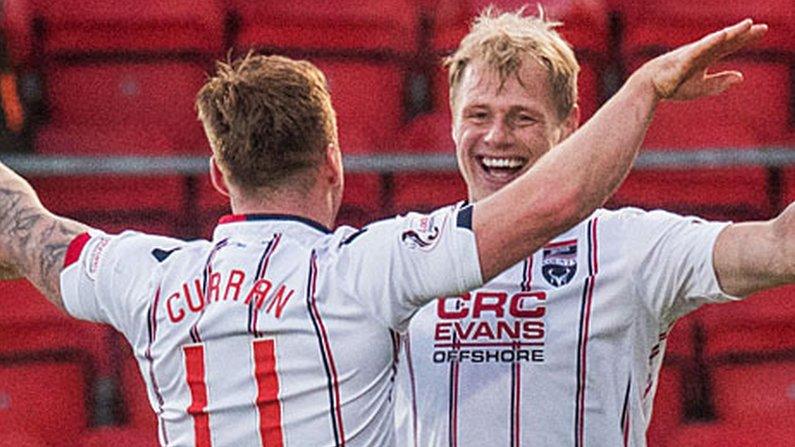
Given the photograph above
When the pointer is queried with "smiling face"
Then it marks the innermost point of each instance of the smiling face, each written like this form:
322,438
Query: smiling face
501,131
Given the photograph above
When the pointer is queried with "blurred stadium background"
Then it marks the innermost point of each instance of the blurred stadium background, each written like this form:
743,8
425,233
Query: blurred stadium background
97,111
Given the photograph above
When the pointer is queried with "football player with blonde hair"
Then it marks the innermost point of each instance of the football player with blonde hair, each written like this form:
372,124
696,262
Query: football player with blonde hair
564,346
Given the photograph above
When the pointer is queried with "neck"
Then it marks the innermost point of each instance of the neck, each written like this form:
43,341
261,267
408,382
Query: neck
307,206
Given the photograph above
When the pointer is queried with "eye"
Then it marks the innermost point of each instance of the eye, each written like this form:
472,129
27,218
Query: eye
477,115
524,119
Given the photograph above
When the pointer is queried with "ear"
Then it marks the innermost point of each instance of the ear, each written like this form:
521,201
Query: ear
571,123
334,164
217,178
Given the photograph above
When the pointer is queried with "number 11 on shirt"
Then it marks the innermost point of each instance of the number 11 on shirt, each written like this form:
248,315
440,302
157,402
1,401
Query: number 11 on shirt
267,401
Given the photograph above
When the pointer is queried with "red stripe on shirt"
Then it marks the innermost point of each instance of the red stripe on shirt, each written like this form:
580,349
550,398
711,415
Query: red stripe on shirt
527,284
75,248
197,383
268,404
454,409
561,243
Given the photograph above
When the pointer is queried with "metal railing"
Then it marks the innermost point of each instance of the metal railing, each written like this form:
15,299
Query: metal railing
61,165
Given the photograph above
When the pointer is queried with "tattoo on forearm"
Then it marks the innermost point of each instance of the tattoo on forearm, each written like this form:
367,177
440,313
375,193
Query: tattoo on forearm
33,240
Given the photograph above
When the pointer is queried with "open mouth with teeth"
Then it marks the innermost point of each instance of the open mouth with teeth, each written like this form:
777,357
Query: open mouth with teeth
502,168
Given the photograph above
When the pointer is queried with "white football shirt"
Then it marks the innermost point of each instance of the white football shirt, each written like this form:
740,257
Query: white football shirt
562,349
277,332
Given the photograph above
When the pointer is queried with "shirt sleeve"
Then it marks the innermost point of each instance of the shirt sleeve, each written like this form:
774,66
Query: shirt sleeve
672,257
393,267
104,275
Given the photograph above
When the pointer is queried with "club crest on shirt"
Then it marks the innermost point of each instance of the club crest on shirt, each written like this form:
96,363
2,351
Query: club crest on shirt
423,232
559,262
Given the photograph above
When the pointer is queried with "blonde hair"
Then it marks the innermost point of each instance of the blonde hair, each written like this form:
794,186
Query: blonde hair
504,40
268,118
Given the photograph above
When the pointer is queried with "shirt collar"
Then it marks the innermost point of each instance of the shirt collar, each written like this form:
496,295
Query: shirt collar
263,217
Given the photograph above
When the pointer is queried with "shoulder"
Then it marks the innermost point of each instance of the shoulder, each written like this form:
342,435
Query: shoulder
620,215
630,217
139,249
137,241
413,227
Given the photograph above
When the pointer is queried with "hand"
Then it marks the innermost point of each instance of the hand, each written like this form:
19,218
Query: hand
681,74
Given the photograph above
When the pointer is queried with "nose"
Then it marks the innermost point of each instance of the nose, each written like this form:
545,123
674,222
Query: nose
498,134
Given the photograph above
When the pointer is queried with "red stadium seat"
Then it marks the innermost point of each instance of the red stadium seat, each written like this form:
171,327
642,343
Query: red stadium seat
753,114
788,180
772,432
105,437
341,25
754,402
211,205
679,343
751,357
44,395
759,109
121,77
30,323
123,108
761,393
368,98
714,193
668,409
20,439
759,324
428,133
660,22
362,201
17,17
117,203
144,25
22,303
363,52
585,27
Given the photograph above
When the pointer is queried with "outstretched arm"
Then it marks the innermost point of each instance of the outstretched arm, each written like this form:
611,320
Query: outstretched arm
753,256
578,175
33,241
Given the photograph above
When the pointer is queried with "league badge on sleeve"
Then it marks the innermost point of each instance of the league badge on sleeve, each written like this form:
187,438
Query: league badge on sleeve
97,246
423,231
559,262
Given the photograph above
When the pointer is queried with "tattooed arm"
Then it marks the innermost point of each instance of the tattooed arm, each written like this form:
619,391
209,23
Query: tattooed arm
33,241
